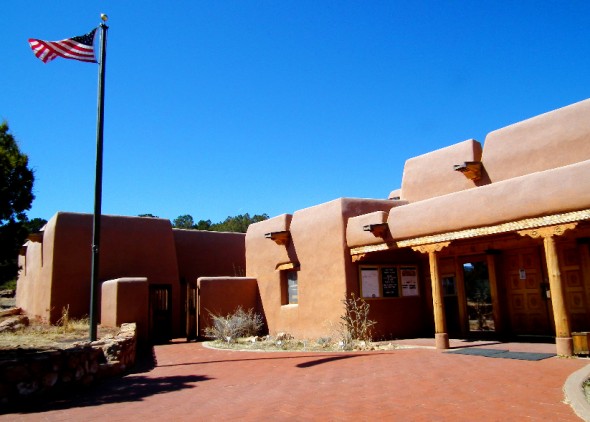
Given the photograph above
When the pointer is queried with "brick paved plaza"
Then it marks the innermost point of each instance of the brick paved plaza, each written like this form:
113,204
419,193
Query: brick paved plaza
190,382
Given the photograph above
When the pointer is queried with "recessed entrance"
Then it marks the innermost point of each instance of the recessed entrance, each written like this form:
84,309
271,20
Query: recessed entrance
160,312
478,295
192,326
528,294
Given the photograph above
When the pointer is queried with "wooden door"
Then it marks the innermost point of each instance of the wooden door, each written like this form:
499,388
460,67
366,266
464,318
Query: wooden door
160,313
478,295
527,296
570,259
191,311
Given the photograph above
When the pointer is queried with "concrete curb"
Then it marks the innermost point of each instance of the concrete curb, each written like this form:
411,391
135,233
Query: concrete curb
574,393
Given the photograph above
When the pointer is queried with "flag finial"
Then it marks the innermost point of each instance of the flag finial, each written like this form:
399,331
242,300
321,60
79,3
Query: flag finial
104,17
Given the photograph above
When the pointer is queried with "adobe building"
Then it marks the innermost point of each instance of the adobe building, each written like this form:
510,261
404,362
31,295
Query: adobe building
145,267
488,241
477,242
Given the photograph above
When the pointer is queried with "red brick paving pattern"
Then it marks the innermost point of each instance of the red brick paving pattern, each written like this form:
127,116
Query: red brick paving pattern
192,383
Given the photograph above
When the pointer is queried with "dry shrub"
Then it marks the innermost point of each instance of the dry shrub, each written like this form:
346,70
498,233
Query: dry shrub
355,324
238,324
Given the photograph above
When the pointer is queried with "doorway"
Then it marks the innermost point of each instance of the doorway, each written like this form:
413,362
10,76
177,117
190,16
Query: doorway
192,326
160,312
478,296
528,297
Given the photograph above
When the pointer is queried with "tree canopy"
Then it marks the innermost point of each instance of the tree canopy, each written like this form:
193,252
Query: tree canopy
16,197
16,179
238,224
183,222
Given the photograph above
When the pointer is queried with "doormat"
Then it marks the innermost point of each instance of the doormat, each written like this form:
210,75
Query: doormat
503,354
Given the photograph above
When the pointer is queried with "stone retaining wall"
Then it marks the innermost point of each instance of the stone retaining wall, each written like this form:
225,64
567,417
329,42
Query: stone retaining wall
29,372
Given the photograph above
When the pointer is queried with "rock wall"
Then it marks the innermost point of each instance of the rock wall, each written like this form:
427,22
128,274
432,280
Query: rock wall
30,372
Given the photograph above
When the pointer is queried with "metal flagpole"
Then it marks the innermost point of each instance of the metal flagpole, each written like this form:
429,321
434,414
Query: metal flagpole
94,284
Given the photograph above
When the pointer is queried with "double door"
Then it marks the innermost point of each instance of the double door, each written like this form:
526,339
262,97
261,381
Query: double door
528,295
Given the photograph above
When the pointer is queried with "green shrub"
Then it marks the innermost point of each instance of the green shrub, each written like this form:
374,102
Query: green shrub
8,285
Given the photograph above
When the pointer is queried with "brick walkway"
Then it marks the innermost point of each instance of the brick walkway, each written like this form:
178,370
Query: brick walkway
194,383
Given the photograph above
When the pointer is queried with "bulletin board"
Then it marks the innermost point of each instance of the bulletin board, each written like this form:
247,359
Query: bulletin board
388,281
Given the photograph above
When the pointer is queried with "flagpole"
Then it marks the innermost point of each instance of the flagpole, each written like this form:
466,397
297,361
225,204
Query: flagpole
95,284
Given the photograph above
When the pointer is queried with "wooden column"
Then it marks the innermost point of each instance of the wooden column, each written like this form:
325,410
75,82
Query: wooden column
441,336
563,335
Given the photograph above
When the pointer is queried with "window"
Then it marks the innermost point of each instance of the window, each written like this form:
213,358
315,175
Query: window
289,288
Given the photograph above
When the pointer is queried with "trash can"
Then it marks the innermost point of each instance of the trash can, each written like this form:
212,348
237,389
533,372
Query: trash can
581,342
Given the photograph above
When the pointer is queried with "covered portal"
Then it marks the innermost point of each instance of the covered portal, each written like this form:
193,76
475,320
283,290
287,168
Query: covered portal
503,231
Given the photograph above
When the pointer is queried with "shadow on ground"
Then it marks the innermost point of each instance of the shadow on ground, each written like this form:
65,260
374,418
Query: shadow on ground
135,386
127,389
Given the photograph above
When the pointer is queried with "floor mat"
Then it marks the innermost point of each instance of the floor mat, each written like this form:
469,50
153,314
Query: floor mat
502,353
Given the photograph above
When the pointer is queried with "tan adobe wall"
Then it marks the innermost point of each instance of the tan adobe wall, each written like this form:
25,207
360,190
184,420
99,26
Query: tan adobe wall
537,167
318,245
130,247
356,235
554,139
432,174
33,285
125,300
204,253
223,295
545,193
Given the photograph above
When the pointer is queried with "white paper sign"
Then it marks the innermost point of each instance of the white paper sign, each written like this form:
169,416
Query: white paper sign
409,278
370,282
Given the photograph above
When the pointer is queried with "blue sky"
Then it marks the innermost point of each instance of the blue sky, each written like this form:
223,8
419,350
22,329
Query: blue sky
218,108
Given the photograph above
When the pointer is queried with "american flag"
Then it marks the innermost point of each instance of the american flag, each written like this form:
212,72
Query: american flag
76,48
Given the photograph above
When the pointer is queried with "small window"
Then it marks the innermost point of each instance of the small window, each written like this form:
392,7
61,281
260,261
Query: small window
289,288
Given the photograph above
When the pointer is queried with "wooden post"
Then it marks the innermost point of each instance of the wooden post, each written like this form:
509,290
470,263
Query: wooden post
441,336
563,335
562,325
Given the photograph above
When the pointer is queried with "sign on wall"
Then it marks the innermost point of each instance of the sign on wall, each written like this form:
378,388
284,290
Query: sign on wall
384,281
370,282
390,282
409,276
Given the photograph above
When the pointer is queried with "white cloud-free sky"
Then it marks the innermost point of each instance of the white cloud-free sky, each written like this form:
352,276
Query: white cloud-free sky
218,108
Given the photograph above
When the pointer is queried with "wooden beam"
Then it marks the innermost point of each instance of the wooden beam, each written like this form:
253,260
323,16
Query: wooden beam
512,226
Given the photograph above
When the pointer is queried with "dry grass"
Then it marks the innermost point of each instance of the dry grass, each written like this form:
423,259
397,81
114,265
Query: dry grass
41,335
